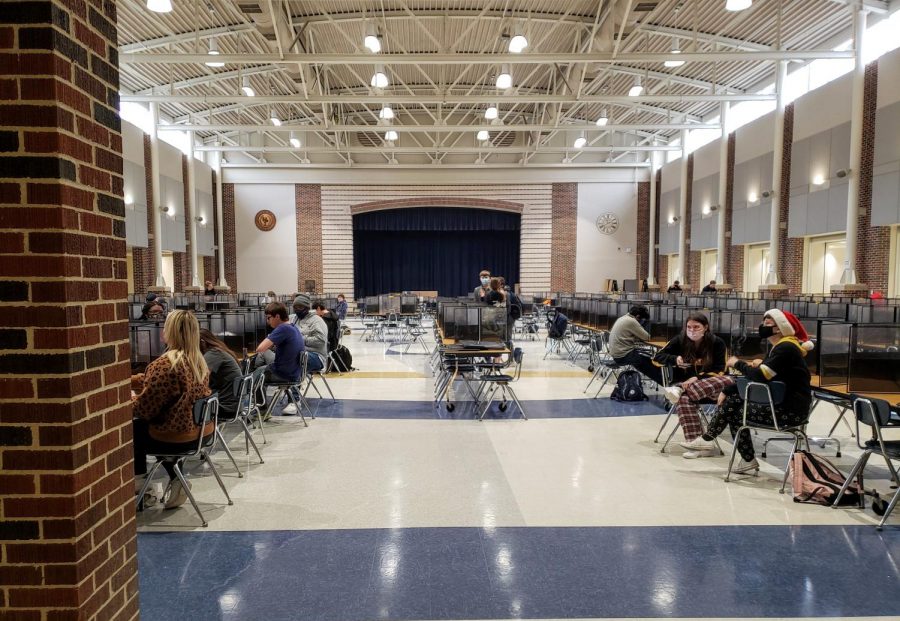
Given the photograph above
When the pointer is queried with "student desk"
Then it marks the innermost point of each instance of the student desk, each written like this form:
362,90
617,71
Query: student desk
456,360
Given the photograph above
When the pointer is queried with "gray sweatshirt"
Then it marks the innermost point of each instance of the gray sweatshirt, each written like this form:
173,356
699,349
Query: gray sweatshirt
314,331
626,335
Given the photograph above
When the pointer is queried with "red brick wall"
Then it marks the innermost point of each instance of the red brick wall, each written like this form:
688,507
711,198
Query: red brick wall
692,271
790,250
209,269
734,255
143,261
67,530
873,243
308,199
643,228
565,222
228,234
662,277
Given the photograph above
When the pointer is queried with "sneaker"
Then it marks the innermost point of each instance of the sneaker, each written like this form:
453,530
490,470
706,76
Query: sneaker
746,467
289,410
673,393
698,454
699,444
177,495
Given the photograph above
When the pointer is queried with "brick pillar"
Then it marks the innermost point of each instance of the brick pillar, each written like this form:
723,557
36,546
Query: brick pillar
790,251
209,269
565,232
873,243
309,234
734,256
643,228
67,526
692,261
662,279
142,258
229,235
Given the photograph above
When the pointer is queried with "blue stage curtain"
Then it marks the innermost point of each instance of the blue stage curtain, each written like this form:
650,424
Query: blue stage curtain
433,249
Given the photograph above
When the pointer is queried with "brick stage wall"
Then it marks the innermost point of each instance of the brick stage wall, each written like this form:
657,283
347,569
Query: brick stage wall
67,520
308,198
565,233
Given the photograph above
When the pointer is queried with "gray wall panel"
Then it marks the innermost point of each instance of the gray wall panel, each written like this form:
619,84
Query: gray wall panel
886,199
837,209
840,149
135,190
887,134
797,215
800,164
817,213
668,238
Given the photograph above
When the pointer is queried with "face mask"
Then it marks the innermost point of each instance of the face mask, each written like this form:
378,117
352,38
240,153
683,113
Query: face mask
766,331
301,314
485,282
695,335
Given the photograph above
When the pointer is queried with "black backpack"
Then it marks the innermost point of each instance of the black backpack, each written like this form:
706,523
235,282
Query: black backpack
343,359
628,387
557,327
515,306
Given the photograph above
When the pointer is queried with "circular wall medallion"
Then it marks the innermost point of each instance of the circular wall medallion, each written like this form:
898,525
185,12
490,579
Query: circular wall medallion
607,223
265,220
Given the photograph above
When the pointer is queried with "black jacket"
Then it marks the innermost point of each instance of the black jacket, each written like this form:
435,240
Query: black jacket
668,356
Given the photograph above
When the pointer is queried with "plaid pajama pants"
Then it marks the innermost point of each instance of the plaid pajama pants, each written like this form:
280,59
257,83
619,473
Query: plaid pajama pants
688,408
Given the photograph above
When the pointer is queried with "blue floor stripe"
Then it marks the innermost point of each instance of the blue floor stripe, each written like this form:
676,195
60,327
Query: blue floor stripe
551,408
473,573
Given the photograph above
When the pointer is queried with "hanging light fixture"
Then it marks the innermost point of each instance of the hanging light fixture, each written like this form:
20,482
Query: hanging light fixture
372,42
491,113
737,5
580,141
391,135
273,116
483,135
379,78
295,142
386,112
246,88
604,118
637,88
504,79
675,50
518,43
159,6
214,51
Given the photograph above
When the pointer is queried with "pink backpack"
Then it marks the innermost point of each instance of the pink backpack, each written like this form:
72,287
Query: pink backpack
816,480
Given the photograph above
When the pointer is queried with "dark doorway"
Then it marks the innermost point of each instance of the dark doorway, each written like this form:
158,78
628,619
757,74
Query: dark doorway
433,249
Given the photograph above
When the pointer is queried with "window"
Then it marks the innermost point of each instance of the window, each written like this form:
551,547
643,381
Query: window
756,261
825,263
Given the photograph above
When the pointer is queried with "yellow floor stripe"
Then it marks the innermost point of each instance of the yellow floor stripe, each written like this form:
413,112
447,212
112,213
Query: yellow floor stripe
555,374
377,375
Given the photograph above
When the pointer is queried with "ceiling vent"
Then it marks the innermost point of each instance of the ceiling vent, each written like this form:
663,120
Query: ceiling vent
370,139
502,139
645,7
250,8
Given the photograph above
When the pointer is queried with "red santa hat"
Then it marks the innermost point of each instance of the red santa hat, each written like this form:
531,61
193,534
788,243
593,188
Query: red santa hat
790,326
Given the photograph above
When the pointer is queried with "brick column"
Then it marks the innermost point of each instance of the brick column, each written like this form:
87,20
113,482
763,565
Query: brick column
229,235
67,527
734,257
565,232
873,245
692,264
643,228
790,249
309,234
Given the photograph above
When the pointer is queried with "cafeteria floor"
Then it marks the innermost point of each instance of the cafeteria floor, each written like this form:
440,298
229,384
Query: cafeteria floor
388,508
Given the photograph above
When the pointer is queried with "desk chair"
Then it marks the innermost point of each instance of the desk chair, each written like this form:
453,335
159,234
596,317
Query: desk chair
369,323
246,411
415,330
707,409
205,410
771,394
502,382
293,392
557,344
581,345
876,414
606,365
310,376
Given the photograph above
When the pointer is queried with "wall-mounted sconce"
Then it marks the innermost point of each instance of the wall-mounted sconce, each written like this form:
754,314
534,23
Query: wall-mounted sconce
201,220
752,197
164,209
819,179
768,193
843,172
673,219
714,208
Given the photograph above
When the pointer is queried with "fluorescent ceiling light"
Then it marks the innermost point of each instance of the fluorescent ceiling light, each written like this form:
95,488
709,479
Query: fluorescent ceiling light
379,78
504,79
386,112
737,5
391,135
518,43
580,142
637,88
159,6
483,135
491,113
246,88
604,118
214,51
295,142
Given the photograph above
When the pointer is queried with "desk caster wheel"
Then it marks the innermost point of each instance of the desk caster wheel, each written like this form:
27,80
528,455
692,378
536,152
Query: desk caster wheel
879,506
503,406
590,369
450,407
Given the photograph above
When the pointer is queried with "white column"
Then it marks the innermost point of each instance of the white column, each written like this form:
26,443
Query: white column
682,218
220,229
856,132
723,195
192,197
155,203
651,250
777,158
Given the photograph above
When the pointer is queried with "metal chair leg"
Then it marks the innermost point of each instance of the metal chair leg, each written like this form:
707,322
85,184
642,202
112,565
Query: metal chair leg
215,472
221,438
248,440
190,495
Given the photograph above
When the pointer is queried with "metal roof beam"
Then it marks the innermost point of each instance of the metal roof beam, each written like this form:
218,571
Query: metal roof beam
690,35
439,149
216,77
184,37
438,128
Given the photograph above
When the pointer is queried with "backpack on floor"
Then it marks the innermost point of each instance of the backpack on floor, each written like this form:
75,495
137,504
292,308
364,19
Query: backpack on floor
343,359
556,327
628,387
515,306
816,480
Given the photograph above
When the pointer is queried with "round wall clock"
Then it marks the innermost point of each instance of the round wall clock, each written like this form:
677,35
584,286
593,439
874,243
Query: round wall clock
607,223
265,220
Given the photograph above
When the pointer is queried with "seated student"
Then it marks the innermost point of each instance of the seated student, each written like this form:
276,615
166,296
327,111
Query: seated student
627,335
495,296
710,288
676,286
341,308
331,323
785,363
163,406
271,297
154,307
208,288
279,351
223,371
482,290
697,358
314,330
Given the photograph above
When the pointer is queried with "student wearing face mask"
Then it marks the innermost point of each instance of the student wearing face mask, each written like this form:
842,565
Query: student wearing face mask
482,290
697,358
786,362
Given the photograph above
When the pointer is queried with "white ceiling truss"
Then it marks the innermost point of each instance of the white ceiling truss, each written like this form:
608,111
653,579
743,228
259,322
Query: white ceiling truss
306,61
